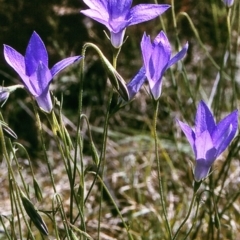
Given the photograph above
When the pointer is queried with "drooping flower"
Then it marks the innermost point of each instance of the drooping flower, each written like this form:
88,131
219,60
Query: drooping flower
33,69
208,139
118,15
157,59
5,92
228,3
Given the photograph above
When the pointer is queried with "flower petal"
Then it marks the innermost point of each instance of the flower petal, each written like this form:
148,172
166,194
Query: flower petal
4,94
44,101
204,120
203,147
100,5
136,83
118,26
161,38
117,38
158,62
156,88
206,154
119,9
15,60
201,169
98,11
144,12
39,80
147,48
64,63
178,56
36,52
225,132
228,3
189,133
99,16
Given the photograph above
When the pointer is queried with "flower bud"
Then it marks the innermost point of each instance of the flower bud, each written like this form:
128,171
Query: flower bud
34,215
37,189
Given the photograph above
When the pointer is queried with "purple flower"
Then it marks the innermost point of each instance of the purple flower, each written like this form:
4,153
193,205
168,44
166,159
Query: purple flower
136,83
228,3
208,139
33,69
157,59
4,94
118,15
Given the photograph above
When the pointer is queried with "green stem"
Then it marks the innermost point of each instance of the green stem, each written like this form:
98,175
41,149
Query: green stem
78,143
194,221
202,45
11,173
4,228
116,207
105,134
43,146
102,159
229,27
155,117
186,218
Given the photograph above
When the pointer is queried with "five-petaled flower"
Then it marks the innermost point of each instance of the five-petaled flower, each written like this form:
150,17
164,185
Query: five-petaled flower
118,15
157,59
208,139
33,69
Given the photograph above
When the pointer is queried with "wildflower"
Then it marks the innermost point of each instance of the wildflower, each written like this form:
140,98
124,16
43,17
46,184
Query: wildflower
33,69
4,94
208,140
136,83
228,3
157,59
118,15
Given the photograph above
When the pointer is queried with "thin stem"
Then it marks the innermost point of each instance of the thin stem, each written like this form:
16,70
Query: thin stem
229,27
78,142
104,144
186,218
102,159
194,220
202,44
155,116
116,207
11,173
5,229
44,147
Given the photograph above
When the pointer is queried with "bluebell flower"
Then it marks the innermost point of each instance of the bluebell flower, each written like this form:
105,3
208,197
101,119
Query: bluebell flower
228,3
118,15
157,59
33,69
208,139
4,94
